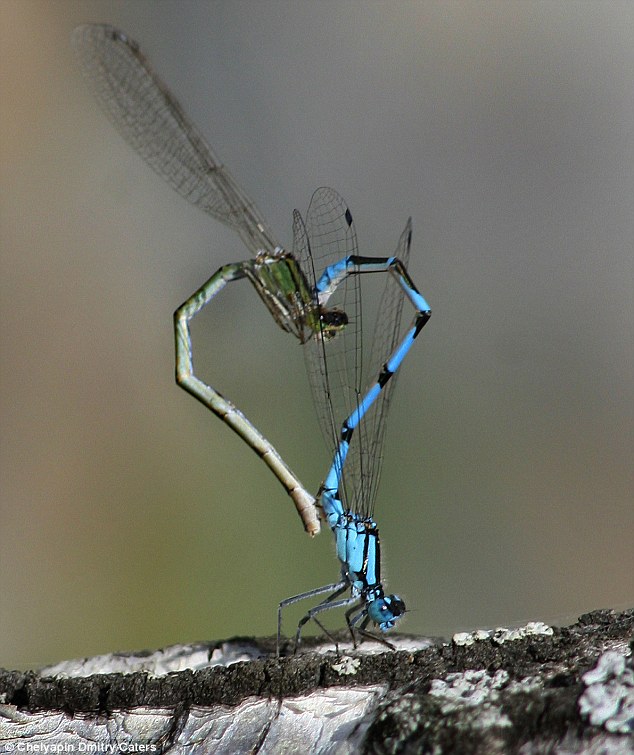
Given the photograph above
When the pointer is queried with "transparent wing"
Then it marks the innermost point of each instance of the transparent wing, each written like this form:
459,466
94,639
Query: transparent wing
342,369
151,120
333,365
365,463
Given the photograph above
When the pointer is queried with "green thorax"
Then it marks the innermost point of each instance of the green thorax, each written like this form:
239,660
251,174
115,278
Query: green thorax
283,288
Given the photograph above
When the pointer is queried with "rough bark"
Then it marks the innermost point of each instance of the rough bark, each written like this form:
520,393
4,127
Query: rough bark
531,690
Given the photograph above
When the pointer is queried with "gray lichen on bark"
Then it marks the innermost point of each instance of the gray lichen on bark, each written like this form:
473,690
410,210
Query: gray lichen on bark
529,690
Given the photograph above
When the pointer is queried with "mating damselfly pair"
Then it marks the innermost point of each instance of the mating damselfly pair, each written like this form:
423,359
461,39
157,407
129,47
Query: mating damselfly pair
324,311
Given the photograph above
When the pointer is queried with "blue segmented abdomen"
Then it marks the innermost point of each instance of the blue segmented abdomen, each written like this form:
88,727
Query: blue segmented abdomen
369,398
395,362
332,275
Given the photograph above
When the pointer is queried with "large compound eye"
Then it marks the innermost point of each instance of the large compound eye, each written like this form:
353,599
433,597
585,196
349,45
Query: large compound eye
396,604
332,322
386,611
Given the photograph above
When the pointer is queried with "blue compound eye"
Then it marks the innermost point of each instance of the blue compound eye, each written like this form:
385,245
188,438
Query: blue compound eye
386,611
397,606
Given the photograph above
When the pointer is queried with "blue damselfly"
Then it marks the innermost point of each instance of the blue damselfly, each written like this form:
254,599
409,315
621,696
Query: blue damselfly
353,415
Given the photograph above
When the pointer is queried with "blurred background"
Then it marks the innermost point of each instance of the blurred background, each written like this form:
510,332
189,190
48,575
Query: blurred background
131,517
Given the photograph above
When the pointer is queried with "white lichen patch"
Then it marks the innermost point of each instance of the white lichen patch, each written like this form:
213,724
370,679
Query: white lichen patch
501,635
468,638
476,695
467,689
347,666
473,689
608,699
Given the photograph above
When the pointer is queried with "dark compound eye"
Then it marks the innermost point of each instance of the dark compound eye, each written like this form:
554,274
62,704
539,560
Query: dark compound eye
332,322
334,319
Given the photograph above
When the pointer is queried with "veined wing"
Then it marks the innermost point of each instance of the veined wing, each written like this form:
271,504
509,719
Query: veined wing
327,237
367,462
343,368
152,121
335,366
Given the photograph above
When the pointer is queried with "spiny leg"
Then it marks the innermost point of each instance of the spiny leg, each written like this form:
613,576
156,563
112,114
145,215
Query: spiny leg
324,630
337,587
221,407
352,622
325,605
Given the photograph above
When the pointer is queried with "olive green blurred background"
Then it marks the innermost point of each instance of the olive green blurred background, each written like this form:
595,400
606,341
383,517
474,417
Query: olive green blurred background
132,518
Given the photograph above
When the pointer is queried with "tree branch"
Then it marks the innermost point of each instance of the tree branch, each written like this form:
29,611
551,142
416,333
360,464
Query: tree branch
534,689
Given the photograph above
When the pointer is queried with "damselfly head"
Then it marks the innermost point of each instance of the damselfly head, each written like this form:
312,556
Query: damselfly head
386,611
332,321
